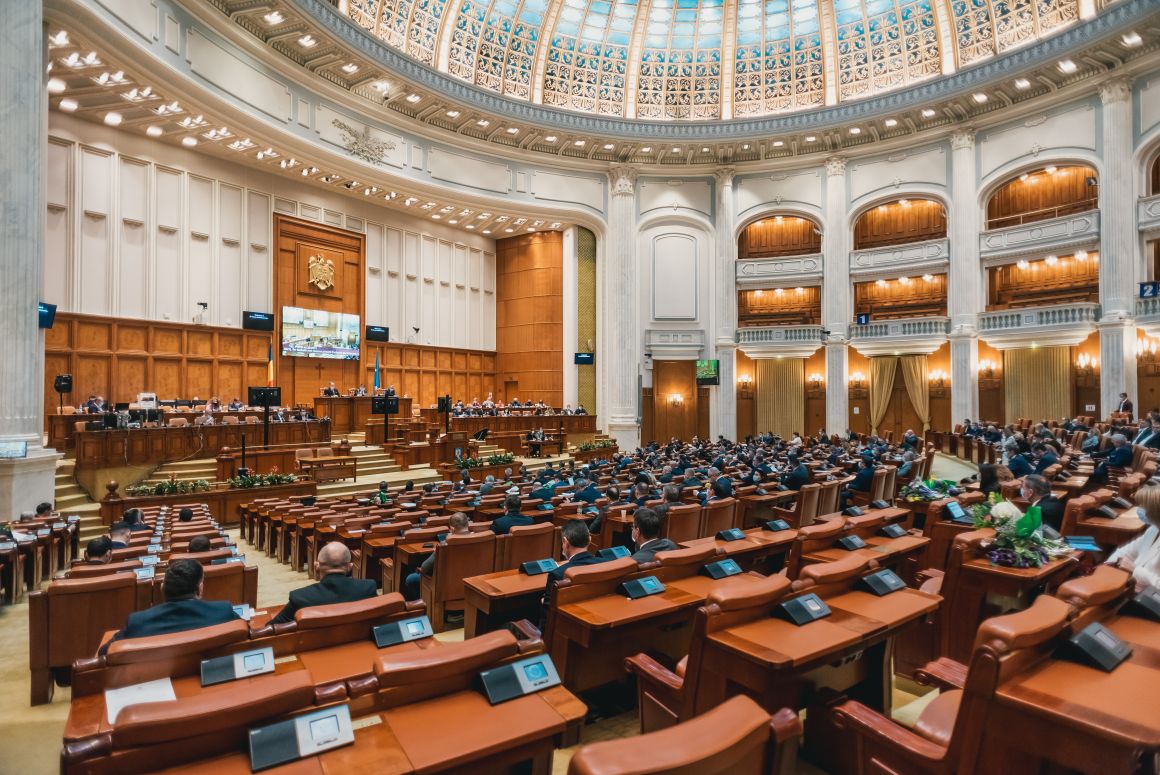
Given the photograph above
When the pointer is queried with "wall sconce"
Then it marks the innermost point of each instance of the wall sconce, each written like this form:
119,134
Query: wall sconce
857,387
1086,364
938,380
816,381
745,386
987,369
676,399
1146,352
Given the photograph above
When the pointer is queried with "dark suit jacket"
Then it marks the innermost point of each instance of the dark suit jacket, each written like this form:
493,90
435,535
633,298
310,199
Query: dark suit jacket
175,616
863,480
589,494
578,560
1019,466
502,525
330,392
139,526
797,478
648,550
1051,510
1119,457
334,588
1048,459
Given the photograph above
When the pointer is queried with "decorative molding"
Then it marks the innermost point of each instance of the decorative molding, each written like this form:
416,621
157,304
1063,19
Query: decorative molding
836,166
917,257
623,179
1148,215
363,145
675,344
760,272
963,139
907,336
1115,90
780,341
1003,246
1061,324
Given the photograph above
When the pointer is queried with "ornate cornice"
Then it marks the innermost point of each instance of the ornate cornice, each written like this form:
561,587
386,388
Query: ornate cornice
1115,90
623,179
1111,21
836,166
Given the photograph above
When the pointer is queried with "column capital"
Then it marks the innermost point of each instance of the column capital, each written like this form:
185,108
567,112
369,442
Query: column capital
623,179
724,175
836,166
963,139
1115,90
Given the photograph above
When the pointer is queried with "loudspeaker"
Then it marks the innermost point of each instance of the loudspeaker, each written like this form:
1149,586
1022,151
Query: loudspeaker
62,383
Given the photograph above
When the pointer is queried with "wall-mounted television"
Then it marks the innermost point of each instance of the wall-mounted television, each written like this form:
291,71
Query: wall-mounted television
378,334
707,373
257,321
584,359
314,333
47,314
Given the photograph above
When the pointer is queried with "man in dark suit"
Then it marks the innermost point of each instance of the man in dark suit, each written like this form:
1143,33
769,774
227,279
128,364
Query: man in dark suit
1119,455
332,567
95,405
863,480
1019,465
134,519
99,551
575,551
798,476
1125,405
511,516
459,524
183,608
1047,457
646,531
330,391
1037,492
1143,431
586,491
1153,440
120,533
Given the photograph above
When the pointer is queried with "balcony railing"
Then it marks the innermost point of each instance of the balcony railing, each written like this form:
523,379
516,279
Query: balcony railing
786,341
913,336
913,258
756,272
1043,214
1060,324
1057,235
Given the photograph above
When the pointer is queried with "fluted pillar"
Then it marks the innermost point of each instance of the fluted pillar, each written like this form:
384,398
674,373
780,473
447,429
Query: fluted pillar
26,481
623,331
964,286
836,309
1118,243
723,418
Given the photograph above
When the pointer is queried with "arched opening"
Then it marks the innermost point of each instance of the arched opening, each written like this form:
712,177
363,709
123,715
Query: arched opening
777,236
1070,279
902,297
1039,195
1153,190
899,222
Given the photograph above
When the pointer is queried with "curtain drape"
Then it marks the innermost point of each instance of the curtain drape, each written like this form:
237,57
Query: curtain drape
881,387
780,407
914,372
1037,383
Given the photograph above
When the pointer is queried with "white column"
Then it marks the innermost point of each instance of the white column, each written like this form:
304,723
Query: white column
965,279
569,317
836,309
723,417
1118,242
24,482
621,334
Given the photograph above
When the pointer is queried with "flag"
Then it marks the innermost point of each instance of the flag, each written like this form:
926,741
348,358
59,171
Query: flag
376,370
270,365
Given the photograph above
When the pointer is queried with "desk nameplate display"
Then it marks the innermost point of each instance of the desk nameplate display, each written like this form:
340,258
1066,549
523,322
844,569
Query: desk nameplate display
642,587
536,567
955,509
393,633
893,531
614,552
241,665
721,569
145,574
850,543
776,525
149,559
1145,605
881,583
518,679
730,534
299,737
1096,646
802,610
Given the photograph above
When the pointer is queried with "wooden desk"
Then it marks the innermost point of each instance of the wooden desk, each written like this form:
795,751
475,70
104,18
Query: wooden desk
760,549
494,599
1111,533
349,414
329,469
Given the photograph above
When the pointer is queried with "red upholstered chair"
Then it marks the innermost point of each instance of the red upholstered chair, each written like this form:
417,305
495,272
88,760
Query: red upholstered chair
460,557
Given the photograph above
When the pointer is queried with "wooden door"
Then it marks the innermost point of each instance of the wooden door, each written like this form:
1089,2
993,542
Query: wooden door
900,414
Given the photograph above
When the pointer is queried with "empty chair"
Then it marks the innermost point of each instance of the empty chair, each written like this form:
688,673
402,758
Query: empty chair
682,523
828,497
524,543
718,515
804,509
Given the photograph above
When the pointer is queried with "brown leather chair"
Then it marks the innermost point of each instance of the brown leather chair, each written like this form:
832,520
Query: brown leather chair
737,737
805,508
233,581
820,535
525,543
205,558
460,557
718,515
829,497
682,523
948,736
68,618
85,571
859,498
420,535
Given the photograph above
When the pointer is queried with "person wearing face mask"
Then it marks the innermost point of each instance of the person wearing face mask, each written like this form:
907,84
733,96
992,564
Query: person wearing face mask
1037,492
1141,557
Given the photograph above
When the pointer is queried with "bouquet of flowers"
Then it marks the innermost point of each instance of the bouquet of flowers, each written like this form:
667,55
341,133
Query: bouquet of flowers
1019,541
930,490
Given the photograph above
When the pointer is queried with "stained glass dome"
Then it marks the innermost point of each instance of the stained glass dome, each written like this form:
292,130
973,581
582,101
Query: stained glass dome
703,59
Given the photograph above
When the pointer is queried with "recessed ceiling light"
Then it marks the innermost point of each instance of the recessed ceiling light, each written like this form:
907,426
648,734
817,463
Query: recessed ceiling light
413,98
1067,66
482,122
1051,260
137,95
154,131
979,97
745,146
453,221
274,17
167,109
778,143
189,142
508,231
453,114
608,146
550,139
1081,255
1050,169
56,86
928,113
68,105
676,150
890,123
904,202
531,228
855,130
308,171
307,41
704,150
469,226
1024,177
811,138
113,118
928,277
381,86
76,61
1021,264
881,283
242,144
513,130
59,39
487,231
1022,84
350,68
1131,39
436,216
646,149
578,143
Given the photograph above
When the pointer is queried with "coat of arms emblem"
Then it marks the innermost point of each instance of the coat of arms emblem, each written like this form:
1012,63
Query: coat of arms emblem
321,272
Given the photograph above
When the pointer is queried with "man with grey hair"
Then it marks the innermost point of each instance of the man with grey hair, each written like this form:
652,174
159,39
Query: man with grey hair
488,485
1119,455
332,568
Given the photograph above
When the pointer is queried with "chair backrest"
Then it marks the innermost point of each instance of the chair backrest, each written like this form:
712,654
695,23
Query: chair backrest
68,618
233,581
230,419
828,497
461,557
85,571
682,523
736,737
135,660
718,515
890,483
878,484
524,543
806,508
177,422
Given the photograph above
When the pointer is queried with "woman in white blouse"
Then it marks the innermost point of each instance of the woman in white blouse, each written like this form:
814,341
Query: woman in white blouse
1141,557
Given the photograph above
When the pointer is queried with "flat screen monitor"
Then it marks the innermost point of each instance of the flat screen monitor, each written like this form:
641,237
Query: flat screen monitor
707,372
264,396
584,359
257,321
47,314
378,334
313,333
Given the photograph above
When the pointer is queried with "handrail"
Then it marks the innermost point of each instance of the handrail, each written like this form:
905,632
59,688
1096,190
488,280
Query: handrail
1043,214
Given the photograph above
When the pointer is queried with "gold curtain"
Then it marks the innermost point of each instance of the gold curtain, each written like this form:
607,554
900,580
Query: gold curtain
1037,383
881,387
780,407
914,373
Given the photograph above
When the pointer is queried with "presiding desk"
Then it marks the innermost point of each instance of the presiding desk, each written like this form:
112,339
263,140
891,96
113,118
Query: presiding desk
349,414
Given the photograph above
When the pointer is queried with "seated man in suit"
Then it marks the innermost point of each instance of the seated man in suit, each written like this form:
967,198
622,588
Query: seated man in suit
390,391
99,551
863,480
1020,465
574,550
646,531
1119,455
183,608
332,567
1047,457
198,544
586,491
185,515
134,519
910,439
1037,492
511,516
119,534
798,476
331,390
236,404
459,524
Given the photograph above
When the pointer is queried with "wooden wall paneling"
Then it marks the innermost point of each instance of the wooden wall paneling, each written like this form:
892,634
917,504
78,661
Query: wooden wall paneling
992,404
1042,195
647,416
167,380
900,222
703,412
780,307
815,403
745,366
1086,386
529,317
669,419
130,375
1068,281
859,408
778,235
893,299
940,400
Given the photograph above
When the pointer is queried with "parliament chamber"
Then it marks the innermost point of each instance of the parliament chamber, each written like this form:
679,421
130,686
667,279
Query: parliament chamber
596,387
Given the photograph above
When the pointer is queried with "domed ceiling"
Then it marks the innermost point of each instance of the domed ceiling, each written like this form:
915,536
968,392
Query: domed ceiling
704,59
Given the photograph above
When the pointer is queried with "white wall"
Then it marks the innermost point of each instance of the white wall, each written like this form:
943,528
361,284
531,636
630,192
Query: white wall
139,228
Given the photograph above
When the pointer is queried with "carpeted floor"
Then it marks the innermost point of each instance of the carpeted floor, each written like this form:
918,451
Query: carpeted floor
34,733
